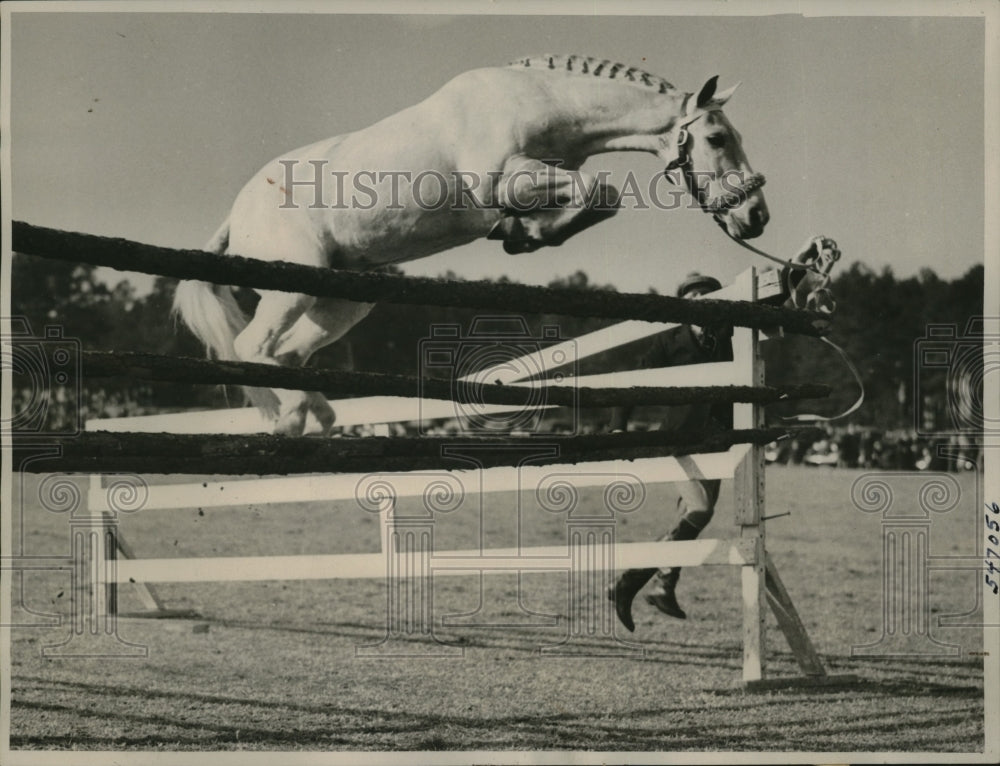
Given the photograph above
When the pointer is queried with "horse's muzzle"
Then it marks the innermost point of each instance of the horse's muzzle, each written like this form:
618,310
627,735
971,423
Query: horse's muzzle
738,210
745,222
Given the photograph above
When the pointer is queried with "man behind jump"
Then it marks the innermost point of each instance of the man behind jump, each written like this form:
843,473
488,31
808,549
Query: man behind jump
687,344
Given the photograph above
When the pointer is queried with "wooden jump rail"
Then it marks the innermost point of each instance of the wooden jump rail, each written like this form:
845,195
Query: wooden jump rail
165,453
375,287
567,392
426,467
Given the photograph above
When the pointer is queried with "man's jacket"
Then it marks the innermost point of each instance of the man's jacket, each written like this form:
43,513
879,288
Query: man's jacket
674,348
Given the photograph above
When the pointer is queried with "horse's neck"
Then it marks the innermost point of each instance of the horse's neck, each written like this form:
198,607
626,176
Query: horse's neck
602,115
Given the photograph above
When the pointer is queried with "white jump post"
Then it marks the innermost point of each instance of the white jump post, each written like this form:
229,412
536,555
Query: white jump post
748,490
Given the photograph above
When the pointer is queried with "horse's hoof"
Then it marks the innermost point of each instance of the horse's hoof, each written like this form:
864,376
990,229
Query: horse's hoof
293,426
516,247
326,428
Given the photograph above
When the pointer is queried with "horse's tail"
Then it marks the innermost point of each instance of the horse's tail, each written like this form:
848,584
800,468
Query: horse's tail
210,311
213,315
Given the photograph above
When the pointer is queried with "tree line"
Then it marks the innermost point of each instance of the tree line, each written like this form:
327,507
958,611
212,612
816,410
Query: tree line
880,323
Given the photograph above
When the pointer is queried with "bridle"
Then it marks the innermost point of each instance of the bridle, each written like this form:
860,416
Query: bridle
736,194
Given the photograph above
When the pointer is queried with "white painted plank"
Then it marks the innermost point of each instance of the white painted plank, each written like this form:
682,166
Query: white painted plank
613,336
329,487
576,348
446,563
248,420
709,374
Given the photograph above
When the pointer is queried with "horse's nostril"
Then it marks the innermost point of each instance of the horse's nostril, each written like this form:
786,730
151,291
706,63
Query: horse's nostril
759,216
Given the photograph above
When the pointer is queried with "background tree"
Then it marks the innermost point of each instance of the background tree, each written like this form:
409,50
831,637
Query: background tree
878,323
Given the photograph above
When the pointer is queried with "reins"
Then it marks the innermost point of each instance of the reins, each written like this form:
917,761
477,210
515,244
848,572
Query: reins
784,262
733,199
824,273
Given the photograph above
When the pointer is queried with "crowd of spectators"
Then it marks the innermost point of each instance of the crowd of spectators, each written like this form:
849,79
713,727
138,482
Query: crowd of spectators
59,411
839,447
862,447
65,410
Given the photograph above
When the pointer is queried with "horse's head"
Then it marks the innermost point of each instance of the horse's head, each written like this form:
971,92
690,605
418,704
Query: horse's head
706,150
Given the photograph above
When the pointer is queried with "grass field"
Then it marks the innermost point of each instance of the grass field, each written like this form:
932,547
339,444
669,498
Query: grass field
273,665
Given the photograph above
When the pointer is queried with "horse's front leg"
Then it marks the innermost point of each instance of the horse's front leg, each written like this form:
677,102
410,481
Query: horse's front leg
275,315
546,205
326,321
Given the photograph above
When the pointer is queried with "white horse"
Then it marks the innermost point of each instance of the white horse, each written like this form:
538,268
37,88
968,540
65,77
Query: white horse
494,153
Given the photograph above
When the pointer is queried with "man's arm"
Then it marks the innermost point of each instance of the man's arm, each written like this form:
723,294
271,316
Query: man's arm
657,355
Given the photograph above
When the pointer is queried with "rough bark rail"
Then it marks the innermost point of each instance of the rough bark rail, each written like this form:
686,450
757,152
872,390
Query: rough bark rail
163,453
375,287
138,366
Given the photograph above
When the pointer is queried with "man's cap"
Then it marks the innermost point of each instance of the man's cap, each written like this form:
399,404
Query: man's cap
697,281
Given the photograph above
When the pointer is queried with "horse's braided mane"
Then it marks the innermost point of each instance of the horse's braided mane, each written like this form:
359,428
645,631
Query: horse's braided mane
588,65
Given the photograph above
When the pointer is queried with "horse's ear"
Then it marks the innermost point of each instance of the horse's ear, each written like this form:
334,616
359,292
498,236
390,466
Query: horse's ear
721,98
707,91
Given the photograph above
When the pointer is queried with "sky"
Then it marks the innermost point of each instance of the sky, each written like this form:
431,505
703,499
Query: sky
868,129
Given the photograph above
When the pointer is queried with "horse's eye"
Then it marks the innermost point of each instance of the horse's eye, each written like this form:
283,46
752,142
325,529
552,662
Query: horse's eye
716,140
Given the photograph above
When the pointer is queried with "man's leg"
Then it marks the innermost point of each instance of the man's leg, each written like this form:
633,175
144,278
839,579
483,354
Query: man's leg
697,504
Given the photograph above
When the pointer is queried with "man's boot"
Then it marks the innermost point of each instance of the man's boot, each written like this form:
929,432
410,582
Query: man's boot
663,595
624,590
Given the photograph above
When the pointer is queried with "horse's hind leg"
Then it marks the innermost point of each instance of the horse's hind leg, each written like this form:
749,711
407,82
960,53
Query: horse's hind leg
276,314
